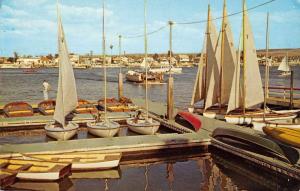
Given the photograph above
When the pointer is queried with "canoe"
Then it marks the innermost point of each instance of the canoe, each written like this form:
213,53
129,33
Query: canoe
89,160
17,109
285,135
249,118
36,170
189,120
6,178
85,106
143,126
47,107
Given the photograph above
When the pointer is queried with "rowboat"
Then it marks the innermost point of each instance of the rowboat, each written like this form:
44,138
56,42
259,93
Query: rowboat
113,105
36,170
258,125
85,106
89,160
6,178
47,107
286,135
17,109
249,118
188,119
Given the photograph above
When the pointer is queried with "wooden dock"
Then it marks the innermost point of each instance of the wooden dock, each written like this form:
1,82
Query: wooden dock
283,102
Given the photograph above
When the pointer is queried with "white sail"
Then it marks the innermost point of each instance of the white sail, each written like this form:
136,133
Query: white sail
254,90
66,100
213,65
229,60
253,84
199,91
284,66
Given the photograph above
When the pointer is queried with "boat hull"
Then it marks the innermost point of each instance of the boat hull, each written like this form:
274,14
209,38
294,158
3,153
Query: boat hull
143,127
61,134
258,125
103,129
285,135
248,119
6,178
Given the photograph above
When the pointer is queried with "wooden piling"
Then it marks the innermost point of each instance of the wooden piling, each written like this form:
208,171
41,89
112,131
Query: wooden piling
120,87
170,98
292,90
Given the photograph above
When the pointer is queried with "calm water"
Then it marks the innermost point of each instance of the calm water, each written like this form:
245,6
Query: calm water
217,171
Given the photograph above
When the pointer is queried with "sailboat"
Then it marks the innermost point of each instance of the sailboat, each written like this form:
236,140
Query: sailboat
284,67
204,73
143,124
104,128
250,94
66,98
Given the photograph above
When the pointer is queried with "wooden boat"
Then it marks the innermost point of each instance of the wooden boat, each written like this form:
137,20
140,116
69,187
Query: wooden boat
249,141
85,160
105,128
258,125
113,105
36,170
47,107
140,77
249,118
66,98
85,106
143,126
166,69
17,109
188,119
7,178
285,135
62,134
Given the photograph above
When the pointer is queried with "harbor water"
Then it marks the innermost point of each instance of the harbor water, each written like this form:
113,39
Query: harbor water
200,171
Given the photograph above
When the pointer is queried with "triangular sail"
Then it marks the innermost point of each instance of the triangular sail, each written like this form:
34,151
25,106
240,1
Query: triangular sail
235,97
254,90
284,65
213,65
229,60
199,91
66,100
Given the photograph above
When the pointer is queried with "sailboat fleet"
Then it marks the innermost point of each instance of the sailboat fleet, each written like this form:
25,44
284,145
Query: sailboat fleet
226,91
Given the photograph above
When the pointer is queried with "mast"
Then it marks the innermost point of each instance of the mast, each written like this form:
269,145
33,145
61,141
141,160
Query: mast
206,71
146,55
120,50
244,60
222,54
170,46
266,67
104,60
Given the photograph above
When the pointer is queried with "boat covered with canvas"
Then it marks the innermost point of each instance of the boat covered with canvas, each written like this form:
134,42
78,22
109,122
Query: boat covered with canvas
36,170
66,98
47,107
17,109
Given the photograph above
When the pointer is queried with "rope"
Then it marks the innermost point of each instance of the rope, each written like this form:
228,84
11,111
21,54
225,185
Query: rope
195,22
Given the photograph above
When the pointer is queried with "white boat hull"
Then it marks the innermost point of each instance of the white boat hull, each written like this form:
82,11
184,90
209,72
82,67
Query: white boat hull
166,70
259,125
95,165
47,176
103,129
213,115
143,127
248,119
61,134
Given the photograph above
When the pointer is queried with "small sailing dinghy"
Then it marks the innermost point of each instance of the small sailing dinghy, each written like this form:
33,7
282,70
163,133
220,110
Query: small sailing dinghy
36,170
144,124
104,128
66,98
284,67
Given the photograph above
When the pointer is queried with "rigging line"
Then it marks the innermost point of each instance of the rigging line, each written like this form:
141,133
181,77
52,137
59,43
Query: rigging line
232,14
142,35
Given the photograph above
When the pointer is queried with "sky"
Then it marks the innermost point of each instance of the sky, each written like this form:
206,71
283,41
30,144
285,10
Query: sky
29,27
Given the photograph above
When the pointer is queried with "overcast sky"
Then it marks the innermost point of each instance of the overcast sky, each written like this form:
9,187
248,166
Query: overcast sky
29,26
